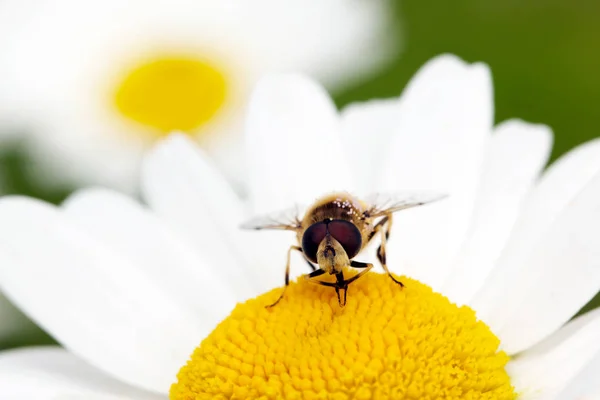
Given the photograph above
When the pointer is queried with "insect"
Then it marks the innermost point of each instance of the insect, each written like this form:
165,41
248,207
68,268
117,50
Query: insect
335,229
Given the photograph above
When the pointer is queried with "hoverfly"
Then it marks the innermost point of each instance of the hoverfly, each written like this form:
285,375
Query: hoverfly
336,228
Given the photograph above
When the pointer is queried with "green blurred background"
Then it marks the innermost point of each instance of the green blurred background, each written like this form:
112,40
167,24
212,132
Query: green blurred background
544,56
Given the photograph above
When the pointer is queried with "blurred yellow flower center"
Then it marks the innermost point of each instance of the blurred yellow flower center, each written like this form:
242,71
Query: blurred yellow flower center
169,94
386,343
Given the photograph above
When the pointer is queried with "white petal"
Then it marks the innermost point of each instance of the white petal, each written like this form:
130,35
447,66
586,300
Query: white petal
563,180
367,130
559,276
584,386
550,367
178,158
592,395
94,302
39,373
154,248
293,144
441,132
545,275
182,186
88,396
516,155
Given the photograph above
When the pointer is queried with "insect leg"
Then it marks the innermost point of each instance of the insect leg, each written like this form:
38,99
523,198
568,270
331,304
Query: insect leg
357,264
310,264
378,226
381,256
287,273
315,273
341,285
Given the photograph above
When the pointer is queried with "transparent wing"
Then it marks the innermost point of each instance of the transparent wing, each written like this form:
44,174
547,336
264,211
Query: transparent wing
384,203
283,220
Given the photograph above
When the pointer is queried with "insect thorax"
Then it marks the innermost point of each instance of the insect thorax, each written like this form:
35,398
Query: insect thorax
335,206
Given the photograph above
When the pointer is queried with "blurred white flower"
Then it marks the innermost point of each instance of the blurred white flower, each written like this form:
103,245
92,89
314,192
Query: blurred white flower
132,290
93,83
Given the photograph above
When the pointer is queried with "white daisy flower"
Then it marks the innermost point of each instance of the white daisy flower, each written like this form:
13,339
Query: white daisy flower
96,83
130,290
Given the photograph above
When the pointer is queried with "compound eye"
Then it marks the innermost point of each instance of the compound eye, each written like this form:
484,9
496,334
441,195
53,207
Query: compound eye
347,234
312,238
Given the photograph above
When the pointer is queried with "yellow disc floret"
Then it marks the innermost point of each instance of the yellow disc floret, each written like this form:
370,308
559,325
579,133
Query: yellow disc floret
388,342
171,93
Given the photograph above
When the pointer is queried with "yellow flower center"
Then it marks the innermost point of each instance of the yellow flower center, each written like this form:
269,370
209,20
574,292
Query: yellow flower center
173,93
386,343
